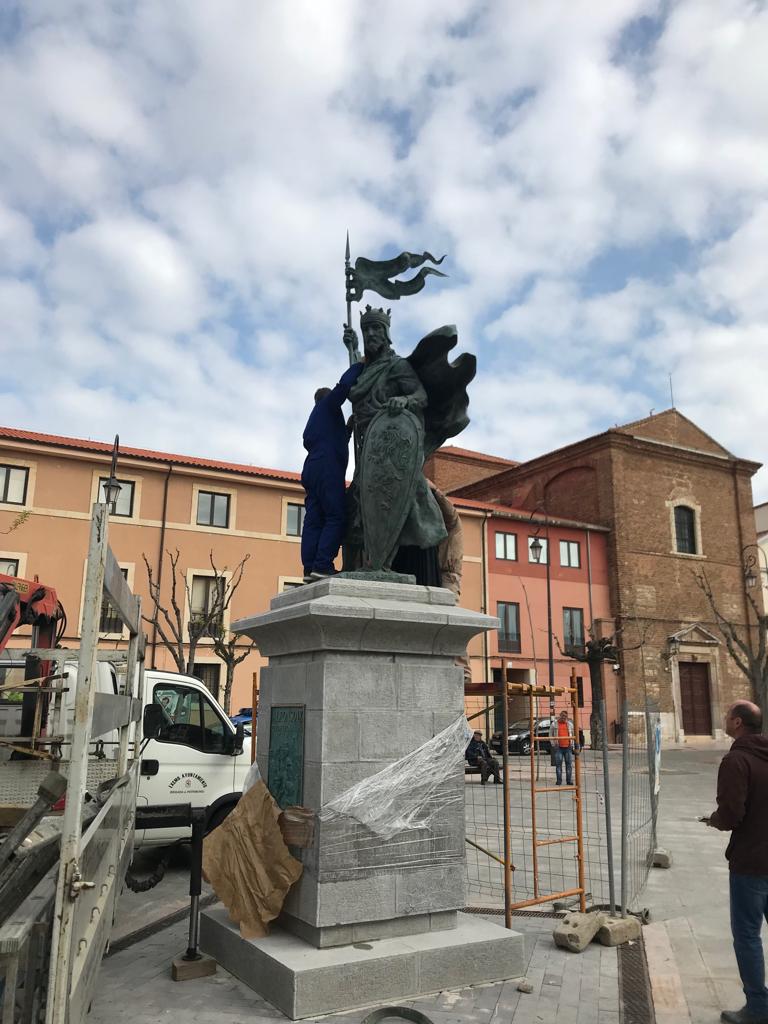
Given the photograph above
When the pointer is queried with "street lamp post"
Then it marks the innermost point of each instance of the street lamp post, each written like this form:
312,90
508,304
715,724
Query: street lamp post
536,548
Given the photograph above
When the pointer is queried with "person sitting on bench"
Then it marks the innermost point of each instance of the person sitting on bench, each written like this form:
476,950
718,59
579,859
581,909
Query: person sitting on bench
479,756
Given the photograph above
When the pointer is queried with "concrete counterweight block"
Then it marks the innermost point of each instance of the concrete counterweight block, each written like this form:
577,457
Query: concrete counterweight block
373,666
615,931
661,858
576,930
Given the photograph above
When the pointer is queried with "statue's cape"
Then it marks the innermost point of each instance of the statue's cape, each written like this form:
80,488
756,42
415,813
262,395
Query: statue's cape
445,384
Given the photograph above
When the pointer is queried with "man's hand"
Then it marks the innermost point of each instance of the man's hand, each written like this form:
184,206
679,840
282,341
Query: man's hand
350,338
705,820
397,404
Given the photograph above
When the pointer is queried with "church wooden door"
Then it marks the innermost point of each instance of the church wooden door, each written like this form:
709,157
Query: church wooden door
695,699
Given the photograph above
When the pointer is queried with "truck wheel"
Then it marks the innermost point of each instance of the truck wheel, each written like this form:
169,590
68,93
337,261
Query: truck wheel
217,817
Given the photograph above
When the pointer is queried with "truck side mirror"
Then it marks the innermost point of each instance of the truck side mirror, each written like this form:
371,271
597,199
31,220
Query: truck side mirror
235,742
153,721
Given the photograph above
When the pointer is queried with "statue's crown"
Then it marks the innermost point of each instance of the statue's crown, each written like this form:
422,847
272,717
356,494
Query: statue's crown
375,316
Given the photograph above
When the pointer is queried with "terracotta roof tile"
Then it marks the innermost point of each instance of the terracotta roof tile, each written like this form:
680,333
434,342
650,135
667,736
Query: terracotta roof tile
102,447
449,449
522,514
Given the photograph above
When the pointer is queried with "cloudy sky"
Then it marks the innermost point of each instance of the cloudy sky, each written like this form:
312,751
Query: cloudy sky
178,177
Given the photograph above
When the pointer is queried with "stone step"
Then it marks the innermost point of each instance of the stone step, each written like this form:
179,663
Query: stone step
302,981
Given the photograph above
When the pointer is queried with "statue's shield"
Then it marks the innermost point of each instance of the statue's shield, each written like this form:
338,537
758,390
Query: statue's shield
390,464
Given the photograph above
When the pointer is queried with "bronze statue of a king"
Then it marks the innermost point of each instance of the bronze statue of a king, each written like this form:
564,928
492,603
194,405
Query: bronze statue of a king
403,409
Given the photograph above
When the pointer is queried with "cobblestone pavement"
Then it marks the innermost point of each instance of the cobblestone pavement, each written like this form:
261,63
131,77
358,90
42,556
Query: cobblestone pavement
135,986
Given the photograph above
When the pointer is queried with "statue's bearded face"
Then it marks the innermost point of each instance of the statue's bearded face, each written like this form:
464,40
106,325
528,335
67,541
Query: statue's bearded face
375,340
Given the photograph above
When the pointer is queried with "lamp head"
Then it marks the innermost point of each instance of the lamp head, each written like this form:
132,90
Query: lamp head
112,488
536,549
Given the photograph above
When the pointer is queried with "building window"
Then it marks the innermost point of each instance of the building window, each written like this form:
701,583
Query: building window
13,484
573,629
294,519
9,567
685,530
212,509
110,621
509,630
290,585
544,550
506,546
124,503
206,596
570,554
209,676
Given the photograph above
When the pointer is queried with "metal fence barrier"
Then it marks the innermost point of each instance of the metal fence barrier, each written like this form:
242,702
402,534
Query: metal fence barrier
618,791
640,758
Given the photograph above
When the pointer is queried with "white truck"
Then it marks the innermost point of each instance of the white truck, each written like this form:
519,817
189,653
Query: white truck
199,757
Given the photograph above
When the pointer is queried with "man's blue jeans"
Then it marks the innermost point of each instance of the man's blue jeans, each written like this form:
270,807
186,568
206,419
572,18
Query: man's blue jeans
749,908
563,754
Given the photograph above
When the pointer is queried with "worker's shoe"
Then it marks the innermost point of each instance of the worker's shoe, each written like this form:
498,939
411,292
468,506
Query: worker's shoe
315,575
742,1016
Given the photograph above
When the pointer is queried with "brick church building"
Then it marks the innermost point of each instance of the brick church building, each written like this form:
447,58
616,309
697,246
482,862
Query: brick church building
676,504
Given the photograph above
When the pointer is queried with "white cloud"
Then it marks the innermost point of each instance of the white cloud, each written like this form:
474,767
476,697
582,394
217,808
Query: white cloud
178,179
127,270
19,248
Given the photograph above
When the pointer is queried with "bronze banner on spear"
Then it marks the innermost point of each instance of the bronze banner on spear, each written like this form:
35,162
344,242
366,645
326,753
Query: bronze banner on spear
377,276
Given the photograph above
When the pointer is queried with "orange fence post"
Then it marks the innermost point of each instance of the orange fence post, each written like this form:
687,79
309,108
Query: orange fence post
255,705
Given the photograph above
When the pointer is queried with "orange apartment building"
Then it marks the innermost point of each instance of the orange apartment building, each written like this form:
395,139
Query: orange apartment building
204,508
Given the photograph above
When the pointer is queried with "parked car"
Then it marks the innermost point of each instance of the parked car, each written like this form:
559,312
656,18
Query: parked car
520,737
244,716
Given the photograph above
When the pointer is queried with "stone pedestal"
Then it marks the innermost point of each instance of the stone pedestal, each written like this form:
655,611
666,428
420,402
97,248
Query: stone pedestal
305,982
373,666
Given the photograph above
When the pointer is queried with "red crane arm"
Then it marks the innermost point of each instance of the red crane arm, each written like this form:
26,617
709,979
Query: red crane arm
28,603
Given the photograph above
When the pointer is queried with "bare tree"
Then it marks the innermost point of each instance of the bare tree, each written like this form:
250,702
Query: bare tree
226,646
207,621
747,644
20,519
594,654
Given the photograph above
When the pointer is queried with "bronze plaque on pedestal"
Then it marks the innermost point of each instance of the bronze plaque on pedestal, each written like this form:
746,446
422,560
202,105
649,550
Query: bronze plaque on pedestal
285,778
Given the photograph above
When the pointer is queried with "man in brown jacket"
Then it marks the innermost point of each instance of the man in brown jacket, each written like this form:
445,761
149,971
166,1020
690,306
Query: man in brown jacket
742,810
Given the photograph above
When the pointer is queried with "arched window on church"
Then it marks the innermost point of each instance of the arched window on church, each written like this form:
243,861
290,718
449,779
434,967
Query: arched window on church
685,530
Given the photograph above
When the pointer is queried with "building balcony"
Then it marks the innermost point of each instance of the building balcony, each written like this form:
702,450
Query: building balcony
509,643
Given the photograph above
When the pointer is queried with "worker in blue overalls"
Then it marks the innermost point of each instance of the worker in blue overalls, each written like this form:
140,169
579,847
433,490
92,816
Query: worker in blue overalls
326,439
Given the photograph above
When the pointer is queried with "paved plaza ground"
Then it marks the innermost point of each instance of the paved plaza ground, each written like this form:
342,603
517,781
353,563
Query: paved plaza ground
687,943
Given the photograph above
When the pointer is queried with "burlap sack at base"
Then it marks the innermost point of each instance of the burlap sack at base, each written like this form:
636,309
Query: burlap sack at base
248,864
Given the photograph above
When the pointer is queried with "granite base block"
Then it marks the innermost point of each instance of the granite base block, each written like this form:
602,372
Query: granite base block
302,981
367,931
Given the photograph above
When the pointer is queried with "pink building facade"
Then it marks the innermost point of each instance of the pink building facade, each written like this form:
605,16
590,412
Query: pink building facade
517,594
